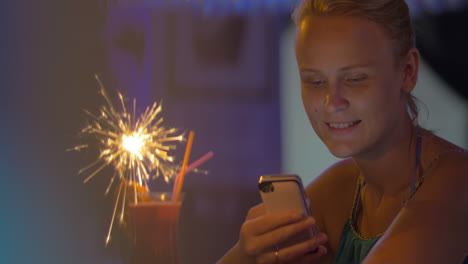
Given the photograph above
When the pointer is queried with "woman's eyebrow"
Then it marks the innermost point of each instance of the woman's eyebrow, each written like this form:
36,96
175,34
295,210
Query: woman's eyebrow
346,68
357,66
308,70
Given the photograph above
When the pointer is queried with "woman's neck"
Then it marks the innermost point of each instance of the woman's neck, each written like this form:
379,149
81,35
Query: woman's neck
389,172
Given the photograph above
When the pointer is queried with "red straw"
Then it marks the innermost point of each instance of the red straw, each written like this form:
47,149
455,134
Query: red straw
179,181
198,162
193,166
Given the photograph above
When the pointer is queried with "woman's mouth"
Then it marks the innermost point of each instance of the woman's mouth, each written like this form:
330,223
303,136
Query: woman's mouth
342,125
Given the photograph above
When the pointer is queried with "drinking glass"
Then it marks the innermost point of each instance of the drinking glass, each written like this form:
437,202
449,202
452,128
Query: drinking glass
155,222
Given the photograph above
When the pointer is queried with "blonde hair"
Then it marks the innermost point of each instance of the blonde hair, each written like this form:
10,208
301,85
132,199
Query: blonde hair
392,15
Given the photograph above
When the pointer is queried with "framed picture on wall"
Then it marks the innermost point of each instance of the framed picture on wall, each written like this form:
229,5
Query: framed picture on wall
137,51
231,58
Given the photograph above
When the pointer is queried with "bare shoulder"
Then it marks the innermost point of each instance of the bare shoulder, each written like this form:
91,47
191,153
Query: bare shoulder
340,177
331,198
450,168
431,228
445,172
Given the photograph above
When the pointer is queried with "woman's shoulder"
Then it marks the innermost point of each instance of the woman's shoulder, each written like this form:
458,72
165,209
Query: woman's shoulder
338,178
334,189
437,210
445,163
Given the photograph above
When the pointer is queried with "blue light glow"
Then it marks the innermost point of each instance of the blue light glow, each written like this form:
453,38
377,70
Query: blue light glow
217,7
245,7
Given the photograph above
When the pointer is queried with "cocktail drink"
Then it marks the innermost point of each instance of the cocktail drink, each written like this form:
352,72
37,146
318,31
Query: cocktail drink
155,224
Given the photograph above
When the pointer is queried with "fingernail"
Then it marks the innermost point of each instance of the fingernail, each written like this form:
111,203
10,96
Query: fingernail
322,237
310,220
298,215
325,250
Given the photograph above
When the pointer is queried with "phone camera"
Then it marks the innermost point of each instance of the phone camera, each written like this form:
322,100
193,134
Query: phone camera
266,187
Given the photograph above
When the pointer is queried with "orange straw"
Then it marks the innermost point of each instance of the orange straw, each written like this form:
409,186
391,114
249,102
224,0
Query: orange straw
179,181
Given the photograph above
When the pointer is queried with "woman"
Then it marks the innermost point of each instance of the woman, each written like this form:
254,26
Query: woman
399,197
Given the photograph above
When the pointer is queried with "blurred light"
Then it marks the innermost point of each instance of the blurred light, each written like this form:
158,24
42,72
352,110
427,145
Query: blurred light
216,7
134,143
246,7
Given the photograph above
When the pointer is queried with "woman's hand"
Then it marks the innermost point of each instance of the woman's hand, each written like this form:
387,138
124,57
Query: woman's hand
261,233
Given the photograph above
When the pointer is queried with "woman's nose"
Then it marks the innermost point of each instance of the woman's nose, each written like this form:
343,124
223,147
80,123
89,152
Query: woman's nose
335,101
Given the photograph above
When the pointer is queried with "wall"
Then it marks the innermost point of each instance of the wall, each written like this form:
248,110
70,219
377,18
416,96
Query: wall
49,52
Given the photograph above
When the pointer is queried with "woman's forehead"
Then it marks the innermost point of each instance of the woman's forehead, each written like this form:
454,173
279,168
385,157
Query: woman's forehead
340,27
336,38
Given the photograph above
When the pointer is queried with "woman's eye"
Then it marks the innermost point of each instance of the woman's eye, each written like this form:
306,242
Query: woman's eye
312,79
318,83
314,82
356,79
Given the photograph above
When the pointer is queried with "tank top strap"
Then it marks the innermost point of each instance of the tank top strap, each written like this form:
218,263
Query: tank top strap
417,158
432,163
356,203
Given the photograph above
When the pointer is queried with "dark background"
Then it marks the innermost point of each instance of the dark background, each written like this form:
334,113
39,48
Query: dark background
50,53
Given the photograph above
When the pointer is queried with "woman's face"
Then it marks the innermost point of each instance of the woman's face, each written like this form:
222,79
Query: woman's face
351,87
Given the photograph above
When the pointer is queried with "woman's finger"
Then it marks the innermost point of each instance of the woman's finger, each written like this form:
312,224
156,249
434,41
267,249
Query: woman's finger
254,244
283,256
306,251
271,221
284,233
255,212
309,257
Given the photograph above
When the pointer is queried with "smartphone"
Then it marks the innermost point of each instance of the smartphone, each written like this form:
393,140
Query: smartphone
281,192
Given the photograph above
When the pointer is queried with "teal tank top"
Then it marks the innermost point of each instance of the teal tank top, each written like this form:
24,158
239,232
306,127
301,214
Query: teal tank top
353,248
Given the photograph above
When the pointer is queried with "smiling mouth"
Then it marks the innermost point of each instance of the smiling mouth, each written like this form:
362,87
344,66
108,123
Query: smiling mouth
343,125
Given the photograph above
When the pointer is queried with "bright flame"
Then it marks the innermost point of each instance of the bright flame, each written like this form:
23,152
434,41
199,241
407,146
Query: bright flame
134,143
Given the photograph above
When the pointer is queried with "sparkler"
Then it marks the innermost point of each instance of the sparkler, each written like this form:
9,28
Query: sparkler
137,147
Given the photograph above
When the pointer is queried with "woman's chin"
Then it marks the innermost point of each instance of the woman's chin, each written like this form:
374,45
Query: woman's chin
341,151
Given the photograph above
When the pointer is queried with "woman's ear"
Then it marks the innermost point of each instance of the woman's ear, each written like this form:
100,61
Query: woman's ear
410,70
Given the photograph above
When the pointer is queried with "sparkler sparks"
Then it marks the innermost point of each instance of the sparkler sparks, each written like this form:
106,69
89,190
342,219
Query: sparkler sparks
137,147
